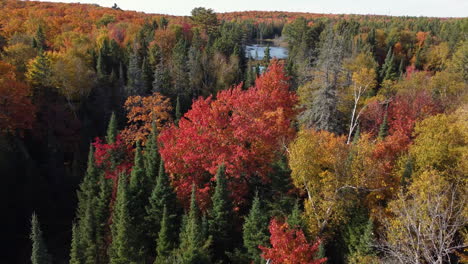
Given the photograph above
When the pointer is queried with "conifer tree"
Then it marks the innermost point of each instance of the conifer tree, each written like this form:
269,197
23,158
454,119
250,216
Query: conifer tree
178,113
75,254
122,250
383,130
358,236
100,67
162,196
102,215
161,79
39,253
295,218
388,68
220,217
255,231
152,156
192,246
267,56
112,131
89,188
179,68
135,82
147,75
165,239
138,199
39,73
40,38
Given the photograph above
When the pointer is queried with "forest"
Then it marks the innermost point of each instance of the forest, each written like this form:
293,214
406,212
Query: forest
128,137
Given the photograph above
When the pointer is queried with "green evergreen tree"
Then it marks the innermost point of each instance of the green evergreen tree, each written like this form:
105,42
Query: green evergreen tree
100,67
161,79
102,215
162,196
193,248
267,56
39,253
255,231
179,69
165,239
388,71
358,236
357,135
178,113
220,217
295,218
75,252
122,249
147,75
112,131
138,199
135,82
89,188
152,157
40,38
383,130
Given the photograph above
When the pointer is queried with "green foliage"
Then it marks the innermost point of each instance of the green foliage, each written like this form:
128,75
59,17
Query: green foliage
151,156
39,253
135,81
112,131
383,130
255,231
165,239
193,247
358,236
122,249
295,218
220,221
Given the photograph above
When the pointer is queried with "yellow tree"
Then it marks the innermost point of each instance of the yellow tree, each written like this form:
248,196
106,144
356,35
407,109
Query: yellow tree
142,112
317,162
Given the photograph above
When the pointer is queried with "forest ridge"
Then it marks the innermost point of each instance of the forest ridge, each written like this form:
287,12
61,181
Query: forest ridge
128,137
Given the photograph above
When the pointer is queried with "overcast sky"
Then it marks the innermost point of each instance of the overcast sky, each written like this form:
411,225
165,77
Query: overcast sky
438,8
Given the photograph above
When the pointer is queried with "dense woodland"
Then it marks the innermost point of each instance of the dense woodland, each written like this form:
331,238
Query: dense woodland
135,138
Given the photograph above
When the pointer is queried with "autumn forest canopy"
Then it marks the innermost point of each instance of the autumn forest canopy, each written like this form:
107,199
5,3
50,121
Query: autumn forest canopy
128,137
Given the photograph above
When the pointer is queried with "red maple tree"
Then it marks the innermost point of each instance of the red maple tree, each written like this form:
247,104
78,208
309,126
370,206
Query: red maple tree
290,246
244,129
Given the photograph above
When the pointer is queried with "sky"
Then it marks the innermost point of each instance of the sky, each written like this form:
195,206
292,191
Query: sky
433,8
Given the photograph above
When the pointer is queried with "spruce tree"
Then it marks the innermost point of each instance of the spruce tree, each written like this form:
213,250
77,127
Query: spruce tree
267,56
255,231
179,68
39,253
295,218
135,82
358,236
112,131
89,188
151,156
220,217
147,75
192,246
138,199
122,250
102,215
178,113
40,38
383,130
388,71
165,239
161,79
100,67
162,196
75,251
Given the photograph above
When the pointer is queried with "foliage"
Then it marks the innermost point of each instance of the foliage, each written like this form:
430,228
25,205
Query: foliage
290,246
255,230
39,254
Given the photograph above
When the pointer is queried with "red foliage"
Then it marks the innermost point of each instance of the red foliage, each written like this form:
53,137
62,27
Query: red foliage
406,109
243,129
289,246
113,159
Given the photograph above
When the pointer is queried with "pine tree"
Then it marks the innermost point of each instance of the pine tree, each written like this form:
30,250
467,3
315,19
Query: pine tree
383,130
75,252
40,39
138,197
192,247
358,236
267,56
39,253
178,113
100,67
179,68
147,75
162,79
112,130
295,218
388,71
220,217
162,196
255,231
89,188
164,241
122,250
39,74
102,215
135,82
151,156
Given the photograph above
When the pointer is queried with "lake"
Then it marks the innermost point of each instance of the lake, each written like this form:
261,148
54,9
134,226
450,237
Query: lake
257,52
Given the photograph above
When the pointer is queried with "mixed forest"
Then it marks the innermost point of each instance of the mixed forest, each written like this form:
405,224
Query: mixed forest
128,137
